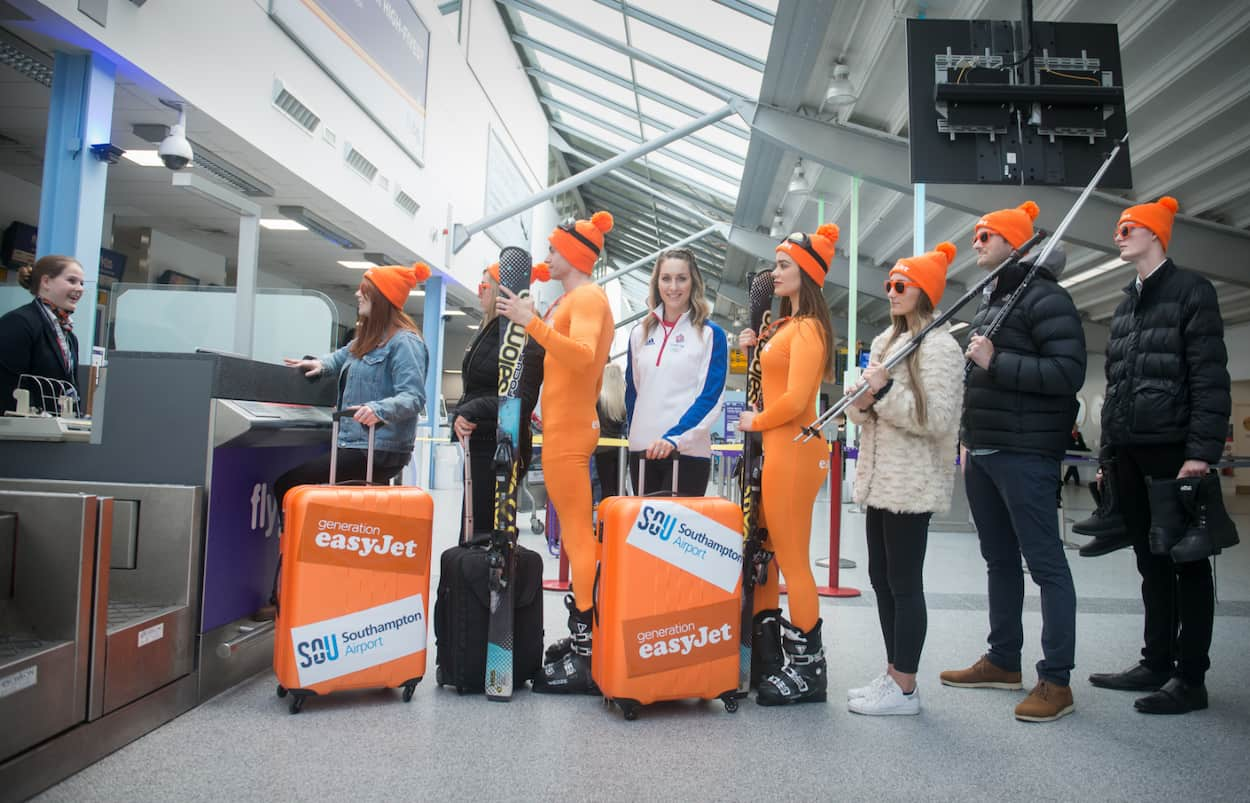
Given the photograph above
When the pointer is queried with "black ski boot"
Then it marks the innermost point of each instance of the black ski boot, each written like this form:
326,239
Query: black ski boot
570,673
563,646
803,679
1210,528
1169,513
766,655
1106,524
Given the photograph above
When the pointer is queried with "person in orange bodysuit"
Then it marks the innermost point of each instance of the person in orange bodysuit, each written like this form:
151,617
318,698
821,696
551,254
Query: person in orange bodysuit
795,356
576,335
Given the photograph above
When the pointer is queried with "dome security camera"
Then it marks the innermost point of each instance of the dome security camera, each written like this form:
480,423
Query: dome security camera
174,150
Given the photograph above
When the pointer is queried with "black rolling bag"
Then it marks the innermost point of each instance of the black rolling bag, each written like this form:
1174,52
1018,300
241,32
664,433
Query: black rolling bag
462,612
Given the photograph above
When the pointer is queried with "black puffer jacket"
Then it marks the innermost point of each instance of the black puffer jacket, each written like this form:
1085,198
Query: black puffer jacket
1167,367
1026,400
480,401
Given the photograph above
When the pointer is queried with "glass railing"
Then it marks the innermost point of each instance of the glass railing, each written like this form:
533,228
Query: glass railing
288,323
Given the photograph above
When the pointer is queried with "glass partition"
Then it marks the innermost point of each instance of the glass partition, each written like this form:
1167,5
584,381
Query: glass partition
288,323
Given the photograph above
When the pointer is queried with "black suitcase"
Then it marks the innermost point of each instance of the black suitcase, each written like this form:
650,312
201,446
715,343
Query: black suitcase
462,613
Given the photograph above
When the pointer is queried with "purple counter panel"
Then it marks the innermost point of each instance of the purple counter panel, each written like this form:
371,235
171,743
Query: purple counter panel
241,544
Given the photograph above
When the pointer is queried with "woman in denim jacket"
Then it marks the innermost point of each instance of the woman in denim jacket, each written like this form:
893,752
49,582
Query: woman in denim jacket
385,366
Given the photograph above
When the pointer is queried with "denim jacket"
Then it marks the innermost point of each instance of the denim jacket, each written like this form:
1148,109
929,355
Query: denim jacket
391,380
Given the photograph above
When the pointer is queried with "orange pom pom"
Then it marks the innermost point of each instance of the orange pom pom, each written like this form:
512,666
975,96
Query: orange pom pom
1029,208
948,249
1169,203
421,270
540,272
829,230
602,221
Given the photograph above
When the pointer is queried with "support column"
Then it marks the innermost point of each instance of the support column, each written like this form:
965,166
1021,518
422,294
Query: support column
71,206
918,220
245,284
852,305
432,327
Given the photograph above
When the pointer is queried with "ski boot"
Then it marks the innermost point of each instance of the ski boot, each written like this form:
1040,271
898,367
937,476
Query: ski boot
1210,528
1106,524
803,679
570,673
766,655
1169,513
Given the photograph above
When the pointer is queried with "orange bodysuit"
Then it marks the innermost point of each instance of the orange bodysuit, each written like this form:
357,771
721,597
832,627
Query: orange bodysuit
792,363
577,342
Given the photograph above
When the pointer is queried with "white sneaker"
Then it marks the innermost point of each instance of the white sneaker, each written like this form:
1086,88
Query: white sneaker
888,700
868,690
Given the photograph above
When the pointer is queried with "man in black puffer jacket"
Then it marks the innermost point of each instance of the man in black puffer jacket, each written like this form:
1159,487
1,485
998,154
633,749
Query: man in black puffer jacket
1019,407
1165,415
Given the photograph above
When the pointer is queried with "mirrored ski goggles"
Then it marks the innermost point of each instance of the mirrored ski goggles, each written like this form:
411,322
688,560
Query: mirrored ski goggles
899,286
1125,229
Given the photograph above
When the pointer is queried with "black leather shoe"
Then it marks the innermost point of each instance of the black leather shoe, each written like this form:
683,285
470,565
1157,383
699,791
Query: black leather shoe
1106,544
1176,697
1138,677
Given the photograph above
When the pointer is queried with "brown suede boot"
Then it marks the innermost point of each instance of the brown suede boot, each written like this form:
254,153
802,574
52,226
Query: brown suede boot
1046,703
982,675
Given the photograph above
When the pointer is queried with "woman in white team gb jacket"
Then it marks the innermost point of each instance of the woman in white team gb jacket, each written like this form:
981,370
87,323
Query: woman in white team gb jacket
906,469
675,379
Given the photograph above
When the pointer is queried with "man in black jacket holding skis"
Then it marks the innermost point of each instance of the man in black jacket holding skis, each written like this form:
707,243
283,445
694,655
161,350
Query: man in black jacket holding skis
1165,416
1019,408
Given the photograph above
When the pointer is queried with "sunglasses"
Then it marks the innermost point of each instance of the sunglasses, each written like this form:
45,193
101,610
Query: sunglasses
899,286
982,236
482,287
1125,229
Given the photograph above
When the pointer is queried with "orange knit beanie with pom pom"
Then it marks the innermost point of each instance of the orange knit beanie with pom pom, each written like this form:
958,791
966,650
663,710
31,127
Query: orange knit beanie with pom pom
1015,225
581,241
812,252
927,271
397,281
1157,217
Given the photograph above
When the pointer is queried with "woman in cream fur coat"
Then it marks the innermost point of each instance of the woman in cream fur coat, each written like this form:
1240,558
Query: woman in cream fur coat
906,469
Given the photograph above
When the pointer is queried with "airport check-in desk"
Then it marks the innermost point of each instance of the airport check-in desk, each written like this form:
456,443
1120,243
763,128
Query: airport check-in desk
166,541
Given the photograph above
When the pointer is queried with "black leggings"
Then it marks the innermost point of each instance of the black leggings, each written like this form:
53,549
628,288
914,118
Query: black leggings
351,466
692,474
896,547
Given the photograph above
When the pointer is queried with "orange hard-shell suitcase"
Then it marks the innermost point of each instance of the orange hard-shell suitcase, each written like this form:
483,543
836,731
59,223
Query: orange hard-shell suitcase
667,600
354,587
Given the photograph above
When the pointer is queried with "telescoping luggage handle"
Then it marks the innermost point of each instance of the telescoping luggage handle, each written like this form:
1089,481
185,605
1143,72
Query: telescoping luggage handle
642,477
334,445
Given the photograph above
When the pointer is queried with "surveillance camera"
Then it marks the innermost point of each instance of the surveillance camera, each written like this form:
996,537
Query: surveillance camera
174,150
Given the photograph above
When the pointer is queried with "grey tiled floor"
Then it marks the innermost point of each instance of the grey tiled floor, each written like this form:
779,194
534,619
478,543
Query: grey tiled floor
964,745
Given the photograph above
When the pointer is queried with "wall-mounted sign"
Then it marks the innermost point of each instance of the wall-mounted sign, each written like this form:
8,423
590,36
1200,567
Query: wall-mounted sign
376,50
505,186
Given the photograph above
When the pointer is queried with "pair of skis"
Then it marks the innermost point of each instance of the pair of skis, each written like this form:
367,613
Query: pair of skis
754,557
515,266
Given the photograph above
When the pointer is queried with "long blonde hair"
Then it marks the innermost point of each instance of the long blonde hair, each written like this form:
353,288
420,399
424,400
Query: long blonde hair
612,393
909,325
699,309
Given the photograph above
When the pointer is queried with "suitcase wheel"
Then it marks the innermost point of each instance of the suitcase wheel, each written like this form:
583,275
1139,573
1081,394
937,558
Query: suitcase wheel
536,525
409,688
281,692
297,703
630,709
731,705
